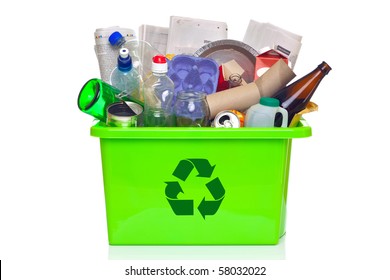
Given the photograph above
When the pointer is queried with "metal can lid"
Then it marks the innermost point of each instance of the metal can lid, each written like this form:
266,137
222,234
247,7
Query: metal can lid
227,119
121,111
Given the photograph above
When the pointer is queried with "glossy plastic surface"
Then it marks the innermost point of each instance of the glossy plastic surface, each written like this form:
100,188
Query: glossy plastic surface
191,185
190,73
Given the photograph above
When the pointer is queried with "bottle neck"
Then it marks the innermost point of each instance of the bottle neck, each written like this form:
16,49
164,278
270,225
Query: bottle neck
120,42
159,74
235,80
124,70
324,67
299,93
314,77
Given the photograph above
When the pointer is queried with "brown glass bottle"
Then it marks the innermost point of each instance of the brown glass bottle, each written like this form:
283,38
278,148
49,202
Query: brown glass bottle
294,97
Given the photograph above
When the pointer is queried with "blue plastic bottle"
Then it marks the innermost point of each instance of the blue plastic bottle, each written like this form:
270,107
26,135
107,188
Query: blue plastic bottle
125,77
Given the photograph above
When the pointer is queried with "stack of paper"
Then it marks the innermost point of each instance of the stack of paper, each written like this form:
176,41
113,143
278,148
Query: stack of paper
187,35
259,35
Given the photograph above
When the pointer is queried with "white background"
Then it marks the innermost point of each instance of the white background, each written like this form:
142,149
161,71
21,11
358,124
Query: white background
52,215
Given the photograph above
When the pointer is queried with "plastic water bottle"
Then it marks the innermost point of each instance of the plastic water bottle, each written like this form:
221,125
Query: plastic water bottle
158,91
125,77
263,114
107,54
140,51
116,39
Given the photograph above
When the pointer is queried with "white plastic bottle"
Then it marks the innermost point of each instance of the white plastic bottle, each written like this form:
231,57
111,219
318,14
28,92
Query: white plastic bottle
125,77
263,114
158,91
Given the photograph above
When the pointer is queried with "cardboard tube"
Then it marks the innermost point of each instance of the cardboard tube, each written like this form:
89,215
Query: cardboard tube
242,97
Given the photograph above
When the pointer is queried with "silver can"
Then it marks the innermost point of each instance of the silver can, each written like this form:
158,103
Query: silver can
228,118
124,114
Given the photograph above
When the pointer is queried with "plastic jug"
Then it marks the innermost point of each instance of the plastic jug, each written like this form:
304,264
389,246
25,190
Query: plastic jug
263,114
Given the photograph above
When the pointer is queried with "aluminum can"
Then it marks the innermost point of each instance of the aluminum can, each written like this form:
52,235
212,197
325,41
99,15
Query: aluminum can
124,114
229,118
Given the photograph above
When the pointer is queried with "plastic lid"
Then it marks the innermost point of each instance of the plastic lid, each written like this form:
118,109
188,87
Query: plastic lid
269,101
125,64
159,64
115,38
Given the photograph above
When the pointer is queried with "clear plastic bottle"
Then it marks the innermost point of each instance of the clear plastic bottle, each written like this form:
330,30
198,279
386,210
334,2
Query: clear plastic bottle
125,77
158,91
140,51
107,54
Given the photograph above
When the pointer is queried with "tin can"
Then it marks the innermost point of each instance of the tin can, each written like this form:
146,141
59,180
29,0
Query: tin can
124,114
229,118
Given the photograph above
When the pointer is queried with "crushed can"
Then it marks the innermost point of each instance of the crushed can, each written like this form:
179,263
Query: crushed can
229,118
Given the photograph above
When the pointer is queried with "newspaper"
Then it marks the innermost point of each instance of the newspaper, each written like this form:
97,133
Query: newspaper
259,35
107,54
187,35
157,36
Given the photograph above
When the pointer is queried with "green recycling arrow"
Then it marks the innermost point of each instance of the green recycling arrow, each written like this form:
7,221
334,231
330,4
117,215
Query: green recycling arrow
185,207
185,167
180,207
210,207
173,189
203,167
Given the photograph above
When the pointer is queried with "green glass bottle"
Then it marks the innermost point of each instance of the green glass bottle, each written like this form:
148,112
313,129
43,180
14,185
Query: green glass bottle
94,98
96,95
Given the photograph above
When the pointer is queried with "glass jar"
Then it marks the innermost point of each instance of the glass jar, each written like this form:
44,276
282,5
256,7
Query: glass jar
191,109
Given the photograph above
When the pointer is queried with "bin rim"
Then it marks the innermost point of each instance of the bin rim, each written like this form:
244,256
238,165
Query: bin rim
100,130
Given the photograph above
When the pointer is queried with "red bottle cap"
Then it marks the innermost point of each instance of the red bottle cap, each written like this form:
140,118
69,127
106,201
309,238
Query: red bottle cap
159,64
159,59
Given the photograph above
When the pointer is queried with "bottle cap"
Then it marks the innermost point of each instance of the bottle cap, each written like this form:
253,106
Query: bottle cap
115,38
324,67
159,64
269,101
125,63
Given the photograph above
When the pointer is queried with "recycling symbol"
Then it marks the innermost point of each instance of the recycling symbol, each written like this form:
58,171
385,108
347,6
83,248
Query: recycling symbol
186,206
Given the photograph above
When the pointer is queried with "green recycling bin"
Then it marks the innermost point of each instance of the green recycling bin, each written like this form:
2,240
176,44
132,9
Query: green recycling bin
196,186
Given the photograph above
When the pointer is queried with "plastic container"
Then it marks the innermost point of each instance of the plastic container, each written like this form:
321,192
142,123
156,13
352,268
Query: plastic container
141,52
207,186
190,73
106,54
158,92
125,77
264,113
